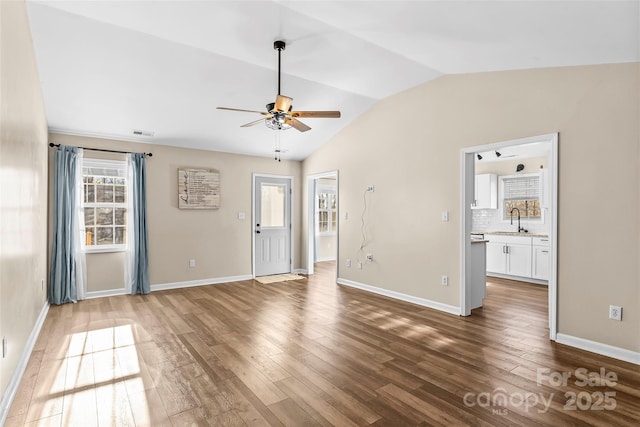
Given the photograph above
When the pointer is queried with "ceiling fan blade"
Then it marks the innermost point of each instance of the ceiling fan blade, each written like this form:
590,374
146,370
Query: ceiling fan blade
297,124
255,122
317,114
283,103
264,113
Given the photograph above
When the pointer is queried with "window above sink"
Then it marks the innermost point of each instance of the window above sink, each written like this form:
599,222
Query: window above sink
521,192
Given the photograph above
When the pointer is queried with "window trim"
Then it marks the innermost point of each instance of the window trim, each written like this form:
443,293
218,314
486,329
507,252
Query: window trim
503,215
121,166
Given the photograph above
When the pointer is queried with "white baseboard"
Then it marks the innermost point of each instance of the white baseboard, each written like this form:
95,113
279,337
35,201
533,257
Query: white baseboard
326,259
300,271
12,388
201,282
105,293
403,297
599,348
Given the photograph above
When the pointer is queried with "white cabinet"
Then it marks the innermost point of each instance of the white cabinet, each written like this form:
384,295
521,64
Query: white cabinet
519,258
509,255
486,191
496,257
540,259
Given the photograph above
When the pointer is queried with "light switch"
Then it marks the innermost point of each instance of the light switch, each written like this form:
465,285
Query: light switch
241,215
445,216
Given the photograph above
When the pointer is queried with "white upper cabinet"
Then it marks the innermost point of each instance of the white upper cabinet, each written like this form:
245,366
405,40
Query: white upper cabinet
486,191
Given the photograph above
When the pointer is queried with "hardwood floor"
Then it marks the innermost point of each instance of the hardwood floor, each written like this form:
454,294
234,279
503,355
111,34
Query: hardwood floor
309,352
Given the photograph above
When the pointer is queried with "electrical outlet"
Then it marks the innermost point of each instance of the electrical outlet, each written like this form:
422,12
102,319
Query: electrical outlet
192,263
370,188
445,281
348,263
4,347
615,312
370,257
359,265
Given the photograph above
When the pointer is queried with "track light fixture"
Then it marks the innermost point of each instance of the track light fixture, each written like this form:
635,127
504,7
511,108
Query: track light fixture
479,156
498,153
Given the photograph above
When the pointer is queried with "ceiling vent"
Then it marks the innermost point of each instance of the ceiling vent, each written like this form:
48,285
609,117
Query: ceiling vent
140,132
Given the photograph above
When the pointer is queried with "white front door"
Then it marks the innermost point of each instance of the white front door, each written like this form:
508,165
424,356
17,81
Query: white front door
272,225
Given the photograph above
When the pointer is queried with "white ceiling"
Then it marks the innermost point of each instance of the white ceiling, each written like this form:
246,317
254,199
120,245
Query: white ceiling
108,67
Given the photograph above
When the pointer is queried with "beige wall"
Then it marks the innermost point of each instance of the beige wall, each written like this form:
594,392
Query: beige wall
23,187
415,168
218,241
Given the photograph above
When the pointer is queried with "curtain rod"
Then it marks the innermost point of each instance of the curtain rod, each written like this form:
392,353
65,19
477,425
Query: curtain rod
51,144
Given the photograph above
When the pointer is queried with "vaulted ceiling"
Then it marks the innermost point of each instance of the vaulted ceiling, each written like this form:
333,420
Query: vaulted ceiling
108,68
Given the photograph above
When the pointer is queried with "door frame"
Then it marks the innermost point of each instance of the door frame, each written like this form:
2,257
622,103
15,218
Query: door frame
467,170
311,213
253,217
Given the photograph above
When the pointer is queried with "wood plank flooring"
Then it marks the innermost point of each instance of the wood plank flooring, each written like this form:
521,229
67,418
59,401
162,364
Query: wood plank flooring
310,352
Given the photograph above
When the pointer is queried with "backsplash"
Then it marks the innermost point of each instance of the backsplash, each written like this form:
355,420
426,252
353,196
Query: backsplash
490,220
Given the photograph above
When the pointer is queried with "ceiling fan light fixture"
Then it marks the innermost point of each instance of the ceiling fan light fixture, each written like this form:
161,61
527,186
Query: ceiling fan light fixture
277,122
283,103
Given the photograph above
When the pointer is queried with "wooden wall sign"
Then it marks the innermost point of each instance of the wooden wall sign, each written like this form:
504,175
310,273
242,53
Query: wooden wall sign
198,188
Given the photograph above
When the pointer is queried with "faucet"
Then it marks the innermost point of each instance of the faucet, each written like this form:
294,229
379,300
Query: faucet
511,215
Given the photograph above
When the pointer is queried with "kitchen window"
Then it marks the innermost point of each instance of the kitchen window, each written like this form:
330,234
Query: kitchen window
104,203
521,192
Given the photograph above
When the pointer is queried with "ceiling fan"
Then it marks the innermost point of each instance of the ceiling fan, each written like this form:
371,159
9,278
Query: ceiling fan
279,114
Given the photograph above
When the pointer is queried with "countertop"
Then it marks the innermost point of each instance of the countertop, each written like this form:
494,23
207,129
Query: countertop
479,241
511,233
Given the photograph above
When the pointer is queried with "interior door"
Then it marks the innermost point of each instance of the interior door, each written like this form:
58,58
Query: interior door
272,227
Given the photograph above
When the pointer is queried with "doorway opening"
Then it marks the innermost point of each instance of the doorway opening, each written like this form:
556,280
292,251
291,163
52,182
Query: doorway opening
272,224
537,210
322,220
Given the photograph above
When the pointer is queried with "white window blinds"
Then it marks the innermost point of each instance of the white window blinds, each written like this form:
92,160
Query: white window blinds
522,187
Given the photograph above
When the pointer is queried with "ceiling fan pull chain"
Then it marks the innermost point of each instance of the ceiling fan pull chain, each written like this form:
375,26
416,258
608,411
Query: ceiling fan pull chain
278,150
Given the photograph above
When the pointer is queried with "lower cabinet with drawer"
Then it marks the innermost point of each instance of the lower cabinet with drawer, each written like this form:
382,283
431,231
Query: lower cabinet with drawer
540,258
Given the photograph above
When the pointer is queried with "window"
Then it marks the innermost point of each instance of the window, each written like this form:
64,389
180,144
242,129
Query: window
326,213
272,207
521,192
104,197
